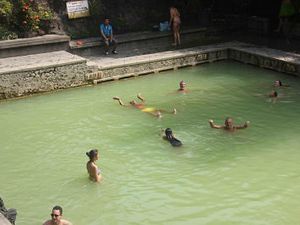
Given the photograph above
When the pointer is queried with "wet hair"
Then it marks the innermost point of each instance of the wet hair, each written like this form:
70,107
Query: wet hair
57,207
182,83
169,133
91,154
279,82
173,141
228,118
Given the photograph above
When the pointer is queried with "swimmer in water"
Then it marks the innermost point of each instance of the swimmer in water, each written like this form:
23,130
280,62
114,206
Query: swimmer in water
182,87
151,110
228,125
273,94
169,136
278,83
93,170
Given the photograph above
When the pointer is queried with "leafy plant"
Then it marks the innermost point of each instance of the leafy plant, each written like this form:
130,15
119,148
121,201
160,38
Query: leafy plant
5,8
31,15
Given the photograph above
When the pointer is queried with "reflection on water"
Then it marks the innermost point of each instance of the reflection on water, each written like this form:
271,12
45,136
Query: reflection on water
247,177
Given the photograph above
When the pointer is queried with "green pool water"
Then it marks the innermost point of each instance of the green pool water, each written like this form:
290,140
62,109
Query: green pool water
247,177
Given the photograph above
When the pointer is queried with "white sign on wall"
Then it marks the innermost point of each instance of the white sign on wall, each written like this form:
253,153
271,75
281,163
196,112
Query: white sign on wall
77,9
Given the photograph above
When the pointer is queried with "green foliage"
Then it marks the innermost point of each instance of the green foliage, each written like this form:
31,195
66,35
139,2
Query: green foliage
5,8
29,15
5,34
24,16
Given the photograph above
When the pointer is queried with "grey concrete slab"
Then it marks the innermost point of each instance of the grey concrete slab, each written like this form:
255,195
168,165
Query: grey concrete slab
3,220
129,37
38,61
104,62
25,42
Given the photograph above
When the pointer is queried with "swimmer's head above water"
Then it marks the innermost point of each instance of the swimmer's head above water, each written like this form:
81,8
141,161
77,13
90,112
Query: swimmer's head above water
228,123
133,102
182,85
170,137
168,133
93,154
277,83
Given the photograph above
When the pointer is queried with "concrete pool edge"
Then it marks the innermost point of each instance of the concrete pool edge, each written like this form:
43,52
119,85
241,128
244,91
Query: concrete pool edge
43,75
242,52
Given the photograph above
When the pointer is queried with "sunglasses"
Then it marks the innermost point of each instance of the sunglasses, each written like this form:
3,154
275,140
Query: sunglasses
54,215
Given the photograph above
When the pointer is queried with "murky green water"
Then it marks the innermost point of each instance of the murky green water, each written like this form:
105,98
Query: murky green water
247,177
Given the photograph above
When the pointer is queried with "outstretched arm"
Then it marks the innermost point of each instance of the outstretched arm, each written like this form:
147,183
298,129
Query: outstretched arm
139,96
119,100
246,124
212,125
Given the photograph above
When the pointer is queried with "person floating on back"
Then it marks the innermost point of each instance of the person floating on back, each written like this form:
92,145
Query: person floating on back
170,137
228,125
106,31
151,110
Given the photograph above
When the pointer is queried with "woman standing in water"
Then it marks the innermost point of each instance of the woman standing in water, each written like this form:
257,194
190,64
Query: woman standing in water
93,170
175,23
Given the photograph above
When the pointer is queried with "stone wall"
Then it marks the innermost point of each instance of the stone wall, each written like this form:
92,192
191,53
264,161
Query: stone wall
273,63
77,73
157,65
42,80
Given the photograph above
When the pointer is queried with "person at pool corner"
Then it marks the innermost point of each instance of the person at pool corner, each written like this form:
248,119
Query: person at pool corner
93,170
228,125
56,217
151,110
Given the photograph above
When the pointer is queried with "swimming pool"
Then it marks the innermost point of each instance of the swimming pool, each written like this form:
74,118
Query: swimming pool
247,177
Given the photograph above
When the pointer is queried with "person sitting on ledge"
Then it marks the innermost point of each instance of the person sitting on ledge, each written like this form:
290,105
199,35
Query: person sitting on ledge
228,125
106,31
56,217
151,110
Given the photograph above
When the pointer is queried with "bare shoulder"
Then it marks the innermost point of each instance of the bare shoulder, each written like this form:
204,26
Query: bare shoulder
48,222
66,222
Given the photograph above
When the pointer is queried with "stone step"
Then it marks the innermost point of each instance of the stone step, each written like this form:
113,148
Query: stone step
38,61
35,45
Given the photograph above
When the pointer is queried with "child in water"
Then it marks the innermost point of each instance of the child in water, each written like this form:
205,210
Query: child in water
170,137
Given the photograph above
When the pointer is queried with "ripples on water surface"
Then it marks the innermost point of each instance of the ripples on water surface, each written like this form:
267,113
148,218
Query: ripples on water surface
247,177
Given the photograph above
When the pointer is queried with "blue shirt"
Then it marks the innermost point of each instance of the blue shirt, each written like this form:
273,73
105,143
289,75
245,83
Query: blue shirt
106,29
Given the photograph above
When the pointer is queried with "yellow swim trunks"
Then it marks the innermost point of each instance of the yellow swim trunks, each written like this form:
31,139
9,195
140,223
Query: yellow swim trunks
148,109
